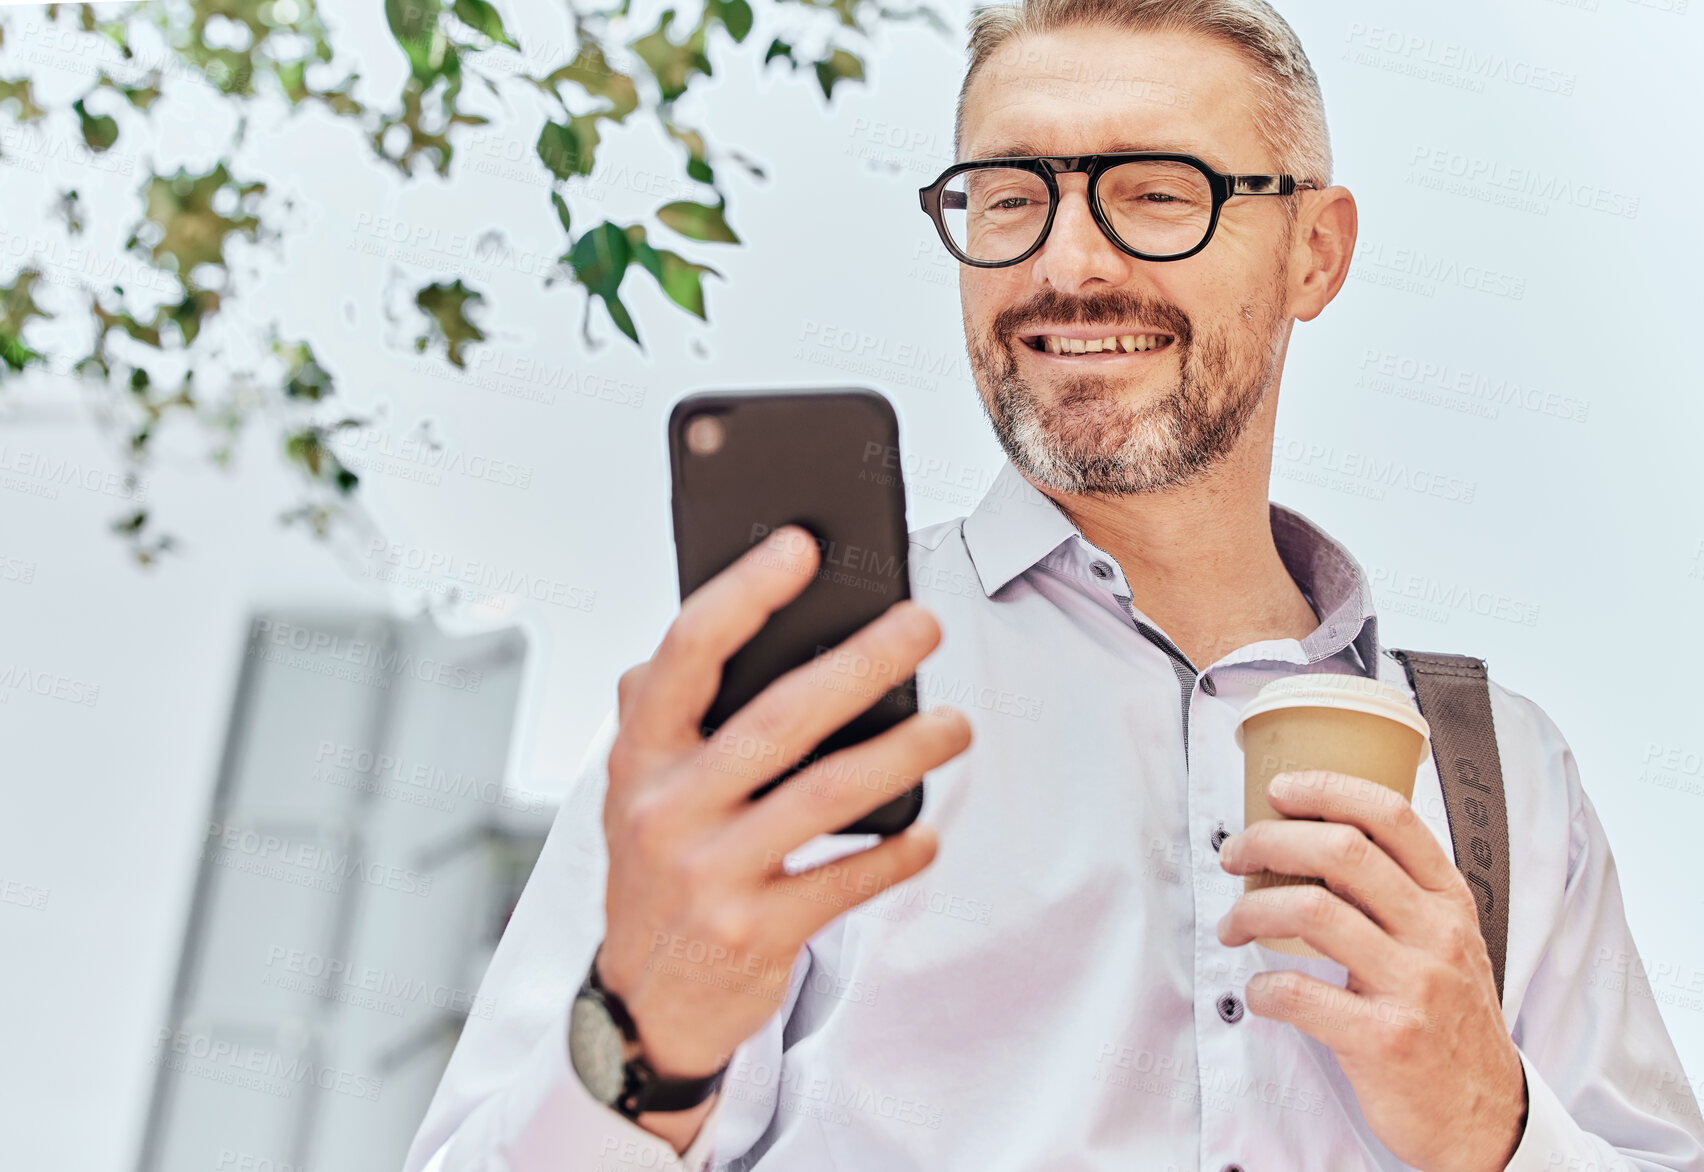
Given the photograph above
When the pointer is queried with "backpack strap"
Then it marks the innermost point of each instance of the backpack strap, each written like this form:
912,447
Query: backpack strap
1455,699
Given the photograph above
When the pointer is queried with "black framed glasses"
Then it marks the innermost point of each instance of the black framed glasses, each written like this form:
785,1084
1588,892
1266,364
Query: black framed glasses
1152,204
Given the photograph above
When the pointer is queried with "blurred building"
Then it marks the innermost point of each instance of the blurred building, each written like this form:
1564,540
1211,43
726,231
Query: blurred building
361,858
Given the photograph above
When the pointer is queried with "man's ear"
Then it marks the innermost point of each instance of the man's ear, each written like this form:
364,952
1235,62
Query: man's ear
1321,249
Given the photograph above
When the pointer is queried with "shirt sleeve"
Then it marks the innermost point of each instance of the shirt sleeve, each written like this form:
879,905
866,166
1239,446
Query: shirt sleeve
1605,1088
509,1100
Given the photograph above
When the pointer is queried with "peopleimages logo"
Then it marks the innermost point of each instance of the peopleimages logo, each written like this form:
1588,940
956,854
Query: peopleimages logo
255,1068
297,861
1362,473
418,782
1503,178
1459,388
1450,63
364,662
364,986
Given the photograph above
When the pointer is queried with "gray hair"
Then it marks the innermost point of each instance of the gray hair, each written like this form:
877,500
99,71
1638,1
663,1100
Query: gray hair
1290,112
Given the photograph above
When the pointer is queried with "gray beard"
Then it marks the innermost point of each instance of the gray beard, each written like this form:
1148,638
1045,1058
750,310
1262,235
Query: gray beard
1086,440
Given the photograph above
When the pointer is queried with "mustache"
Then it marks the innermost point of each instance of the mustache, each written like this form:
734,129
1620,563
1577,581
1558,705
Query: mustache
1055,308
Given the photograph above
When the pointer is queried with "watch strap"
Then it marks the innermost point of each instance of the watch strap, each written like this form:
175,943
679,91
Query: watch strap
643,1089
646,1090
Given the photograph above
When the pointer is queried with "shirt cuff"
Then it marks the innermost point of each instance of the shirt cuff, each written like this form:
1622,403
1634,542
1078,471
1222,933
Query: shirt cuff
1552,1139
564,1127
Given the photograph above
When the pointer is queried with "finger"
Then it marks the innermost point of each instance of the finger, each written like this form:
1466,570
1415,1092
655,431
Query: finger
716,620
801,904
1383,813
1324,920
842,787
1346,1022
1352,865
627,689
797,711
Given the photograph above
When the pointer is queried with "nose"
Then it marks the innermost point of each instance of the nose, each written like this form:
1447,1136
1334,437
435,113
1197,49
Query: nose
1077,253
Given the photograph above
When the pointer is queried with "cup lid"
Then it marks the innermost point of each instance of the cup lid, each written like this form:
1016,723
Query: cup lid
1337,690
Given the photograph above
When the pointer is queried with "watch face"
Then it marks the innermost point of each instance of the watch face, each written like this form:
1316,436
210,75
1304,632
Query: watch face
596,1048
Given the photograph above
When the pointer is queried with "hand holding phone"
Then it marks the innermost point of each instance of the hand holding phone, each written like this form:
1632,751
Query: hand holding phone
703,925
743,463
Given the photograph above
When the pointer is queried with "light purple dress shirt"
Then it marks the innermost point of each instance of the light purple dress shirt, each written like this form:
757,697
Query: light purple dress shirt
1050,995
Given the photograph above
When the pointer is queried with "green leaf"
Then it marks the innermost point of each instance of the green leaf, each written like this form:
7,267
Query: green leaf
735,16
17,307
304,448
681,280
190,231
414,24
569,149
187,314
698,221
623,320
837,67
483,18
19,93
304,377
592,72
780,48
600,259
99,131
145,95
15,354
678,278
670,63
561,211
697,162
446,307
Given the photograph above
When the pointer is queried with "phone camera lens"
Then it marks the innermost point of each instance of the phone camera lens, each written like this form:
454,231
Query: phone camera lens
704,435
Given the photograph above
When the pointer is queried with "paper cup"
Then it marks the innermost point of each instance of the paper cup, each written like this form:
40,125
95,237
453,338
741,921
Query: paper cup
1341,723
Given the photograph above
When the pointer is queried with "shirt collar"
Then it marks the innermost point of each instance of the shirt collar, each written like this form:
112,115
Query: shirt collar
1016,525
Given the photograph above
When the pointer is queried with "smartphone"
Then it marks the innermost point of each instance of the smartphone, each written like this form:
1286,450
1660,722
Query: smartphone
743,464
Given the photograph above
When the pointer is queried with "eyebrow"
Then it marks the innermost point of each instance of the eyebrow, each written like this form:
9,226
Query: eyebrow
1023,149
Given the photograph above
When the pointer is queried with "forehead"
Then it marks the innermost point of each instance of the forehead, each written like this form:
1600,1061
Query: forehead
1092,88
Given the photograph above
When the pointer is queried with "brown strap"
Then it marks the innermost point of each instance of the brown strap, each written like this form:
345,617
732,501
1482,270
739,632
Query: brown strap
1456,701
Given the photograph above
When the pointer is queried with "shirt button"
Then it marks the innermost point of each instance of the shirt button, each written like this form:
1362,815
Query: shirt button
1208,686
1218,837
1232,1168
1101,570
1230,1008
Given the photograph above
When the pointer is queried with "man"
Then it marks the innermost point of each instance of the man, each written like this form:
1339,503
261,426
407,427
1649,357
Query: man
1053,969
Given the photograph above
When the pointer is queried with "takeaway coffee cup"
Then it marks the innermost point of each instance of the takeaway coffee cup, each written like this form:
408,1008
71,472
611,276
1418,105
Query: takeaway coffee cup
1341,723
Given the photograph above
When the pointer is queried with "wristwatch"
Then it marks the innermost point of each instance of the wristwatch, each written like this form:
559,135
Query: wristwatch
603,1045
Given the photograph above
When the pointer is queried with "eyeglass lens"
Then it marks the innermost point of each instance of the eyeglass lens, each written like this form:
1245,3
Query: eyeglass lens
1155,207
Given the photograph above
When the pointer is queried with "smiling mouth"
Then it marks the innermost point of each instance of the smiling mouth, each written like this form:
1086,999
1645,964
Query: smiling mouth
1068,346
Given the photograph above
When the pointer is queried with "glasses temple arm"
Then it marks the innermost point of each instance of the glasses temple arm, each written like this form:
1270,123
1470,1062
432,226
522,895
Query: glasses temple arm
1268,185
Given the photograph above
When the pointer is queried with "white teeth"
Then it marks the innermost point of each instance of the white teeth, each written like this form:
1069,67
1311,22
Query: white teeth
1128,343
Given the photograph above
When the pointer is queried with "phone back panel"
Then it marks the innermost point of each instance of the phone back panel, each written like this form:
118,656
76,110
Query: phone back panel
826,460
